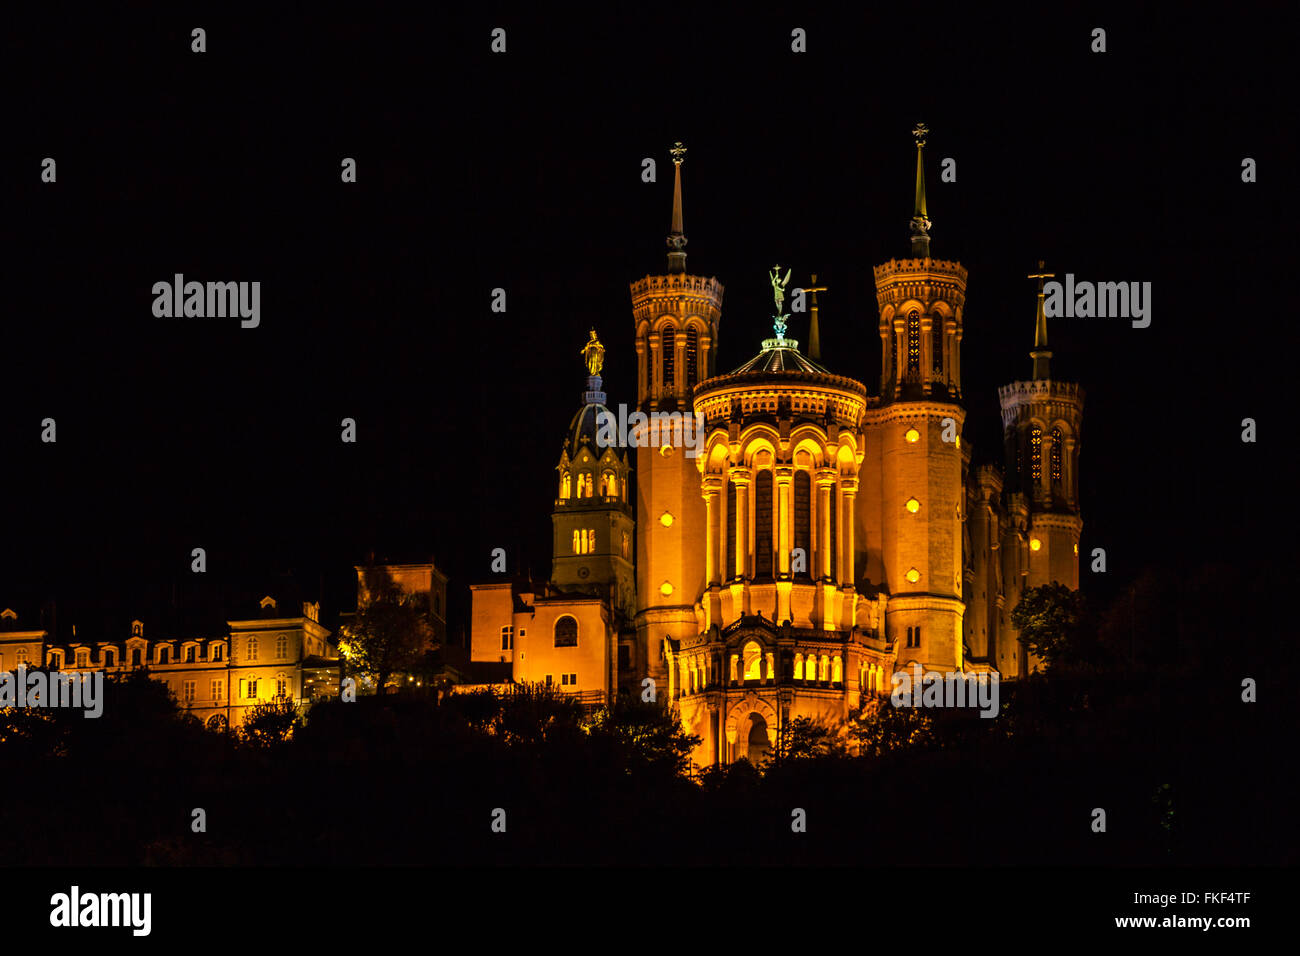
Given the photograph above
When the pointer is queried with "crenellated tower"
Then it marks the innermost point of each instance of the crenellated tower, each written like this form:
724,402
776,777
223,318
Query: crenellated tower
676,317
1041,427
911,531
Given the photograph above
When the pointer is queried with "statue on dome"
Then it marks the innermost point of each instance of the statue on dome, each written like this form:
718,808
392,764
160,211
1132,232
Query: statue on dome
593,353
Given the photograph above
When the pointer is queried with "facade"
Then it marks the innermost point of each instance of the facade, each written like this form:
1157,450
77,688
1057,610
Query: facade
272,656
822,538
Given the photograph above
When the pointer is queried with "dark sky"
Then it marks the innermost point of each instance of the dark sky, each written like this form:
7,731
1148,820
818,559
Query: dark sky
523,171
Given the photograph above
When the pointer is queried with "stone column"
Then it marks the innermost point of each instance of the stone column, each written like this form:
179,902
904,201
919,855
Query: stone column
850,487
712,487
825,488
742,477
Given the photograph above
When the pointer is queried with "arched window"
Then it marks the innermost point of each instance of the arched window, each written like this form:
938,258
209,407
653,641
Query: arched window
837,670
252,649
164,655
189,654
1057,439
763,525
1036,454
670,355
692,355
611,486
798,667
566,632
110,657
802,520
56,659
566,485
217,723
753,661
218,652
913,342
936,343
823,672
577,541
729,571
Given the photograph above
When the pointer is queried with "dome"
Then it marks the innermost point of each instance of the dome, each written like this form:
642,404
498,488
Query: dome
584,427
780,355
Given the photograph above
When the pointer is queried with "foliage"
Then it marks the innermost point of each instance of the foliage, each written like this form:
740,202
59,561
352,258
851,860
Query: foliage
390,633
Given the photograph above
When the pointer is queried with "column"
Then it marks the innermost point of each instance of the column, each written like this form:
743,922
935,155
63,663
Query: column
784,475
741,477
712,489
847,516
656,373
825,488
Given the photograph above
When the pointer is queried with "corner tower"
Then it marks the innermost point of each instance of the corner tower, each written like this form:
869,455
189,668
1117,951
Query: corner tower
911,531
677,317
1041,428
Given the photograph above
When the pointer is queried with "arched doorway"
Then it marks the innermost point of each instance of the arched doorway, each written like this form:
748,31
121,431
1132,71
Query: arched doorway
759,747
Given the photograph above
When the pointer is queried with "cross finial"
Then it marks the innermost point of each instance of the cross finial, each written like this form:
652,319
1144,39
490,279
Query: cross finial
679,152
1040,275
921,132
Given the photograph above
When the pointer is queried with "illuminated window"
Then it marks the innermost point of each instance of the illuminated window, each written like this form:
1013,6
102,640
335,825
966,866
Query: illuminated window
508,637
577,541
281,647
1076,549
611,487
692,355
281,687
913,575
591,541
912,435
665,589
837,670
1056,455
218,688
1036,454
763,525
251,688
1035,544
913,505
824,668
913,342
217,723
670,355
798,667
189,690
252,649
566,632
83,658
753,661
584,485
566,485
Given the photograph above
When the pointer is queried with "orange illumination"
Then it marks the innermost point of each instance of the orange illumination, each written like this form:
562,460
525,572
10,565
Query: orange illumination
666,450
1035,544
666,519
913,575
912,435
913,505
665,589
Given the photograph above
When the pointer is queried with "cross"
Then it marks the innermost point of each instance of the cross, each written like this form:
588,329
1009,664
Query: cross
679,152
815,287
920,133
1040,275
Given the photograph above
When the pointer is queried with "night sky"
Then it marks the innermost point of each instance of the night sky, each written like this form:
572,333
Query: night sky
523,171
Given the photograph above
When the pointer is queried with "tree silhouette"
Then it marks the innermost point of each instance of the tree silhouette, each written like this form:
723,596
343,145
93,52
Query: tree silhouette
390,632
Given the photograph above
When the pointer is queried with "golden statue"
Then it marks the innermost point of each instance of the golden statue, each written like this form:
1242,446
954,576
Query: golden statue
593,353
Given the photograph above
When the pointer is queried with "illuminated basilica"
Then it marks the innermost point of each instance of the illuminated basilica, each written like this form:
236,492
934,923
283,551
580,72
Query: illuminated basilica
819,537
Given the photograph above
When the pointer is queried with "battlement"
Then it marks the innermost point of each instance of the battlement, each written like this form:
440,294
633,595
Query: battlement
915,269
678,284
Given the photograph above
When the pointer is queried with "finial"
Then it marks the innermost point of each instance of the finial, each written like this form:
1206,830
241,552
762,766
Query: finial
814,333
778,293
920,225
1041,354
677,237
593,353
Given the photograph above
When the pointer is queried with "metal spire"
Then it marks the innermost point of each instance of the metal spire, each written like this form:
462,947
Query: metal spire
677,237
920,225
1041,354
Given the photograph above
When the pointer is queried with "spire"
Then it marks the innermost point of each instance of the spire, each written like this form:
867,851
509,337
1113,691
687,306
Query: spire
677,238
814,333
1041,354
920,225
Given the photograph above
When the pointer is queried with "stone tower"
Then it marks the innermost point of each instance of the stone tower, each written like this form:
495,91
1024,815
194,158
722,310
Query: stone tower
910,534
677,317
1041,422
592,519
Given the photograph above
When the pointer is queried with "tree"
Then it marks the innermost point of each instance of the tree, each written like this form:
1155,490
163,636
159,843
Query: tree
271,722
390,632
804,737
883,729
647,733
1054,624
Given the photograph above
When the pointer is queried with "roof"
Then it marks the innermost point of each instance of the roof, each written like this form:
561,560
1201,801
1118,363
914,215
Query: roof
780,355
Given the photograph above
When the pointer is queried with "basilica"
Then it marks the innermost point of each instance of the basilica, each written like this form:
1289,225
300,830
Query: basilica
818,537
